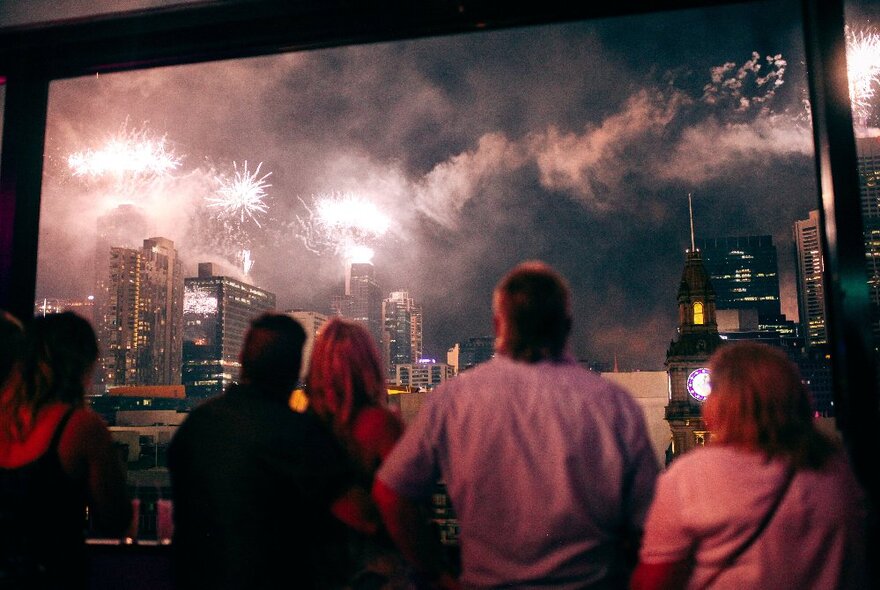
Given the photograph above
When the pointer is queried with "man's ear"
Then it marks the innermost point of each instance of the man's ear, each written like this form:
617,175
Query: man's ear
500,328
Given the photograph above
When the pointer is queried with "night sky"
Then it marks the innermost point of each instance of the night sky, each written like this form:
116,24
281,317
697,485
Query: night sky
576,144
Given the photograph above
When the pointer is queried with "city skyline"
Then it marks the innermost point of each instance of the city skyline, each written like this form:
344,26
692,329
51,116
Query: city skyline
573,143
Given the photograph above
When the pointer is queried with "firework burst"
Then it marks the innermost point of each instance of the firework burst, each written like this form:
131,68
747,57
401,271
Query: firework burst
242,194
343,223
131,152
863,70
199,301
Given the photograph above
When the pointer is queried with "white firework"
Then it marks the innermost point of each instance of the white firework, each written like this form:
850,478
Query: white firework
241,195
358,253
351,213
343,223
131,152
199,301
247,263
863,70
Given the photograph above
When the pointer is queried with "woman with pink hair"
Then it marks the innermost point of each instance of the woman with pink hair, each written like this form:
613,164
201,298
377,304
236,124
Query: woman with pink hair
346,388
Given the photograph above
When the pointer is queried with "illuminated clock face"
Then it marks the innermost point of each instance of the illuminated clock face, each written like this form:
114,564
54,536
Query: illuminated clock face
698,384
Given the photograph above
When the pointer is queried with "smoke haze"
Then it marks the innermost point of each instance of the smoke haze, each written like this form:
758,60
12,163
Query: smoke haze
576,144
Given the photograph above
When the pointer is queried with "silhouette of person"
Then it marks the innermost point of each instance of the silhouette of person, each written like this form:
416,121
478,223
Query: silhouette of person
56,457
255,484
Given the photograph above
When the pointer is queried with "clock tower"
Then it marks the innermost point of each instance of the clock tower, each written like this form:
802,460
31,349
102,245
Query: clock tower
687,356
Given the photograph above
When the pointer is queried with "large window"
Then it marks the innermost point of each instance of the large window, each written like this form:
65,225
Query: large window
576,144
409,176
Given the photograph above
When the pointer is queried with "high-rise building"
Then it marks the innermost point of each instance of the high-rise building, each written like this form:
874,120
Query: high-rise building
312,322
139,312
362,301
402,321
744,272
471,352
216,315
811,291
869,188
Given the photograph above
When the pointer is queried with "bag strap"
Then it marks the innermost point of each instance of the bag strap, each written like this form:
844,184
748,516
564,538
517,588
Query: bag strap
59,430
768,516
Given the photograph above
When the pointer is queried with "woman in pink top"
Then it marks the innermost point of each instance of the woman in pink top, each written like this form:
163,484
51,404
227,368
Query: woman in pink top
770,503
56,459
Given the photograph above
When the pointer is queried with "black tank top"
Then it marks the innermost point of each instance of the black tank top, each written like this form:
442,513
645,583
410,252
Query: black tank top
42,523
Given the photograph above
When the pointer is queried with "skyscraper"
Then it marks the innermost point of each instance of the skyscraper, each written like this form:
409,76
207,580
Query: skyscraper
362,300
811,291
217,313
312,322
139,312
471,352
744,272
402,321
869,188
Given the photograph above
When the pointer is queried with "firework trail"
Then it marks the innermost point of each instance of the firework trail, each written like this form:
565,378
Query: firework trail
132,153
247,263
342,223
242,194
863,71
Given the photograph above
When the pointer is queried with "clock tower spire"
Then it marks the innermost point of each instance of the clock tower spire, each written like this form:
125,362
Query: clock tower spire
696,339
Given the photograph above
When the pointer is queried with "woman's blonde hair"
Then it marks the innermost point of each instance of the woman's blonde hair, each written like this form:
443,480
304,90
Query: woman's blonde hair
760,402
345,375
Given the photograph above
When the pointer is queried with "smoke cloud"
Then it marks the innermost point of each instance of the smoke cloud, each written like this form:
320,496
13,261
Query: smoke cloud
483,150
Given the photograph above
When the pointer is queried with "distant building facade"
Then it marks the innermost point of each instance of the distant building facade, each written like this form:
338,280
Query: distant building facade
217,312
362,300
810,288
138,314
312,322
402,323
650,389
743,271
869,187
470,353
425,374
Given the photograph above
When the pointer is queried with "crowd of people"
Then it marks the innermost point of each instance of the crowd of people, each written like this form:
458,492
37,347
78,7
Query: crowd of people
548,467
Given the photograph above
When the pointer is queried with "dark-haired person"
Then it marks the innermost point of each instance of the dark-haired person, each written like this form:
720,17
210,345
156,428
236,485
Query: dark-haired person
548,466
255,483
56,459
766,463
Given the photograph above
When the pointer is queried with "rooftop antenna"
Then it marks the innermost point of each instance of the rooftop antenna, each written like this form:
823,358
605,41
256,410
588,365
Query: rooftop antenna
691,210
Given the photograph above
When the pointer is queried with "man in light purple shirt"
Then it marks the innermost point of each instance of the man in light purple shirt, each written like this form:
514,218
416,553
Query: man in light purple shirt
548,466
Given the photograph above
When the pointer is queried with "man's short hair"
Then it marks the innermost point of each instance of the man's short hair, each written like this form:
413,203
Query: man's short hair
272,351
533,303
